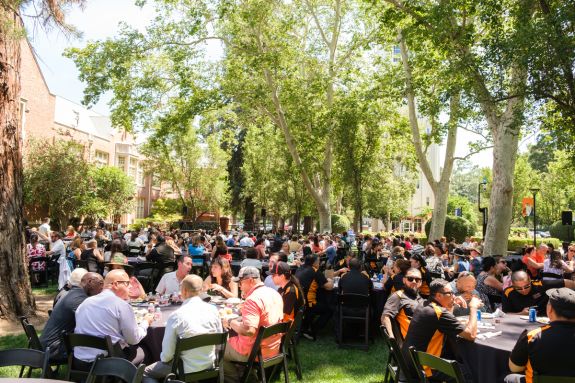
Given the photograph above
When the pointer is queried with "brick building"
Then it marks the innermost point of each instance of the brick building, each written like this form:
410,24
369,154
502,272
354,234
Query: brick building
49,117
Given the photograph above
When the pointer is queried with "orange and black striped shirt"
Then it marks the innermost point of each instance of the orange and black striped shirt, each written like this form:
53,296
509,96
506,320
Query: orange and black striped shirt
546,350
400,306
293,300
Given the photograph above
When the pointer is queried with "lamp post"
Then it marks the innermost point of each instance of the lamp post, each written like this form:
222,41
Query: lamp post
534,192
483,210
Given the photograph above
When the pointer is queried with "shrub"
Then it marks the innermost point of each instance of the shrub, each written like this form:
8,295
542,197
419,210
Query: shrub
516,243
455,227
563,232
339,223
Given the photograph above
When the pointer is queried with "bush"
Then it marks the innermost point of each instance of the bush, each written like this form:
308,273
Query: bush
563,232
516,243
339,223
519,232
455,227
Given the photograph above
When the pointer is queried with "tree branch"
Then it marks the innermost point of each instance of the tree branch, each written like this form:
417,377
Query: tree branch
472,153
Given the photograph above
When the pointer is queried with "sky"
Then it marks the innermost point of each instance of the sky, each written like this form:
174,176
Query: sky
100,20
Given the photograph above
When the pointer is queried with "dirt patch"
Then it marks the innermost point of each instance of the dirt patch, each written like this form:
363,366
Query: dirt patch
43,304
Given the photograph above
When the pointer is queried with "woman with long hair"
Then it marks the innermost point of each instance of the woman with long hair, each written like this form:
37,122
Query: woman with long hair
260,247
489,281
219,247
220,279
554,267
289,288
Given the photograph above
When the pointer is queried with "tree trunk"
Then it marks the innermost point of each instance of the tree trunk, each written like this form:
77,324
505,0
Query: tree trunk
324,220
501,199
441,195
16,298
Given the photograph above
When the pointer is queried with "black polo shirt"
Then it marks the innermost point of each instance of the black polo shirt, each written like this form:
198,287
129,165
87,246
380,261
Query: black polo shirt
401,306
431,327
394,283
311,281
161,254
293,300
546,350
354,282
514,302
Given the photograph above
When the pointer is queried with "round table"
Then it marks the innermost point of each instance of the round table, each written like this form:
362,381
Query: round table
488,359
152,342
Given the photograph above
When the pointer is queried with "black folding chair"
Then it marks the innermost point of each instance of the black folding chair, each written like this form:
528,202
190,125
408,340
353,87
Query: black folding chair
448,367
72,340
396,364
256,353
26,357
34,344
115,367
292,340
354,308
171,378
217,340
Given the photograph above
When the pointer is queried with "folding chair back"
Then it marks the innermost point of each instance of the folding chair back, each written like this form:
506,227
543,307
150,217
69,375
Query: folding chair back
218,340
31,334
448,367
72,340
26,357
358,303
115,367
396,363
256,353
292,338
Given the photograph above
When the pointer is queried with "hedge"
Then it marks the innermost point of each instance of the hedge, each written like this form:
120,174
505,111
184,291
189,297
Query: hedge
516,243
455,227
339,223
563,232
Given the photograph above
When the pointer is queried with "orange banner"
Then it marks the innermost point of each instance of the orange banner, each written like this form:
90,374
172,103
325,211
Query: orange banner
527,207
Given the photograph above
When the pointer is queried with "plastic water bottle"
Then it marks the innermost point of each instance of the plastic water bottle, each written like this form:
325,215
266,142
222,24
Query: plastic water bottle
151,308
158,314
291,257
478,315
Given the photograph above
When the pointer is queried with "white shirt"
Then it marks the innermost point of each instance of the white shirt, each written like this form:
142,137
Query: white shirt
58,248
169,284
246,242
106,314
195,317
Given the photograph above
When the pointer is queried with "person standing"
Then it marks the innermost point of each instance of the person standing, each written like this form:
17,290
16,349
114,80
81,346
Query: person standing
44,229
58,252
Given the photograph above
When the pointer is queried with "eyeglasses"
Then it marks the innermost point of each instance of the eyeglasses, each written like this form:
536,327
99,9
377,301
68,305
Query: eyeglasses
519,288
448,293
413,279
125,283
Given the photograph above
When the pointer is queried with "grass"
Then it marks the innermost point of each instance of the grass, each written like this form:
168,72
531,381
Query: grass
322,361
50,290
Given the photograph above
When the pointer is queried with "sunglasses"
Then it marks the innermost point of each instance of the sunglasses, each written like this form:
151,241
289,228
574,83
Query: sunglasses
413,279
448,293
517,288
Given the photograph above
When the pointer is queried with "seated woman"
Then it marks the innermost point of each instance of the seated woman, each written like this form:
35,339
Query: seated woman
554,267
220,279
92,255
135,290
36,249
394,281
489,280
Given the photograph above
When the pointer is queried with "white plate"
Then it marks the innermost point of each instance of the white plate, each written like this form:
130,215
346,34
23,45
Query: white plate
231,316
233,301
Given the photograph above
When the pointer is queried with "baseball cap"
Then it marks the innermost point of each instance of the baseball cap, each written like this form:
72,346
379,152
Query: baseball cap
563,299
247,272
281,268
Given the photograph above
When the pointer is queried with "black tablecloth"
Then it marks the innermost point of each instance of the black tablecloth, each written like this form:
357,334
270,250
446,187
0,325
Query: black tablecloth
152,342
488,359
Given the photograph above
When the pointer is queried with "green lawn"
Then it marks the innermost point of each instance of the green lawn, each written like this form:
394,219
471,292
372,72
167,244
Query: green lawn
322,361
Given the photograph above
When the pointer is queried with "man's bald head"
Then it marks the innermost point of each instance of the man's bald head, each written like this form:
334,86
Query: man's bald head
118,281
92,283
115,275
519,276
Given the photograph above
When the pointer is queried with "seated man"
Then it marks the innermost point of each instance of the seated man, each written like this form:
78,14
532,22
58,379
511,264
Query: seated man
464,287
545,350
433,322
525,293
355,281
63,317
109,313
263,306
194,317
161,253
269,281
313,281
401,305
170,282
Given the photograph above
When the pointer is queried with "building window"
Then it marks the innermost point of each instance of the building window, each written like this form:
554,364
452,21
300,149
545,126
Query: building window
140,208
140,175
133,168
417,225
396,50
121,163
102,158
427,201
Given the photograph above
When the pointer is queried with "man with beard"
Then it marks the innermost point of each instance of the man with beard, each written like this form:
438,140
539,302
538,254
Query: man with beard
401,305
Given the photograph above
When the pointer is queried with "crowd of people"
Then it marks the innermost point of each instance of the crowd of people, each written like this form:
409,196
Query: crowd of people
426,287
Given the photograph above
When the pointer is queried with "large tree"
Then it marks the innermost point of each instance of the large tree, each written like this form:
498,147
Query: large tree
483,42
16,298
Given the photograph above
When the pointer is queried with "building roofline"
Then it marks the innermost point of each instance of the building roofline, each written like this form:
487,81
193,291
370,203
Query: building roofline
33,51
